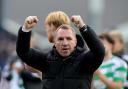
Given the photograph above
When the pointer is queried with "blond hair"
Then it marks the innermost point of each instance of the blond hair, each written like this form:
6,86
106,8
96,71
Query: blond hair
117,35
57,18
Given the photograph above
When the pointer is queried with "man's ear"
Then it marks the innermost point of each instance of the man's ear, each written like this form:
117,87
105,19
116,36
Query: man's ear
76,41
54,41
55,44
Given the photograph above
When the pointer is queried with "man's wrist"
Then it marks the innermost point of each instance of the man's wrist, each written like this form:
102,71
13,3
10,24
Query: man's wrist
25,30
81,25
83,28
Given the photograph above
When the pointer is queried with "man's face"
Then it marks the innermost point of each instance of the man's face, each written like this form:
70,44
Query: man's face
50,32
65,42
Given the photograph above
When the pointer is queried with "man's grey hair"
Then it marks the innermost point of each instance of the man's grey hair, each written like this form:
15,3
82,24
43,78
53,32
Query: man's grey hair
65,27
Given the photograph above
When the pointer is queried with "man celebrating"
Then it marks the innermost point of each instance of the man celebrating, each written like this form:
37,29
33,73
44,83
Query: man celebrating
66,66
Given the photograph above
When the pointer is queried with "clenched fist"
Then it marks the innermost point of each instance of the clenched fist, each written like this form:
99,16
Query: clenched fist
30,22
77,20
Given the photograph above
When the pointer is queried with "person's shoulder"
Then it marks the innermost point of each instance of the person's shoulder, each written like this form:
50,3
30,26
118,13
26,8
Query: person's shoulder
116,58
119,62
125,57
50,52
47,51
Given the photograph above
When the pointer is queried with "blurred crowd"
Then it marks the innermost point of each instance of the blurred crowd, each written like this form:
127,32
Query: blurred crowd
14,74
113,72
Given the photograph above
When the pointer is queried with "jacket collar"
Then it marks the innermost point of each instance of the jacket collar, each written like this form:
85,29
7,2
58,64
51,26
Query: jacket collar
74,54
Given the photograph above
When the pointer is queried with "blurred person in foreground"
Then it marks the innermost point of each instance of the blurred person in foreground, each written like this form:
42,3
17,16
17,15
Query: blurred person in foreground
66,66
112,72
119,49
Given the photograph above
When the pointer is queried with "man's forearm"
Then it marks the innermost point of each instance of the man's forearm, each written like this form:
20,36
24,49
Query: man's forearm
92,41
23,42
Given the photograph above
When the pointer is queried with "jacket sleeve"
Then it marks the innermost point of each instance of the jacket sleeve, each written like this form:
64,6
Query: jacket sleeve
94,57
30,56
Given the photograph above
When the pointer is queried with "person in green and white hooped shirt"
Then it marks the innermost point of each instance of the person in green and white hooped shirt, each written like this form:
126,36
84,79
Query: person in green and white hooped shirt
113,71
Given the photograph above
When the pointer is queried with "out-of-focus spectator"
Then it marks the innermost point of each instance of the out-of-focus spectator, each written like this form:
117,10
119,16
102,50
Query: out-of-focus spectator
18,77
53,21
119,49
7,49
112,73
4,84
12,73
7,46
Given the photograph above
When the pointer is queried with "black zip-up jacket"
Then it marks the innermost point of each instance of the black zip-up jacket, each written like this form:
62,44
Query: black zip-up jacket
74,72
